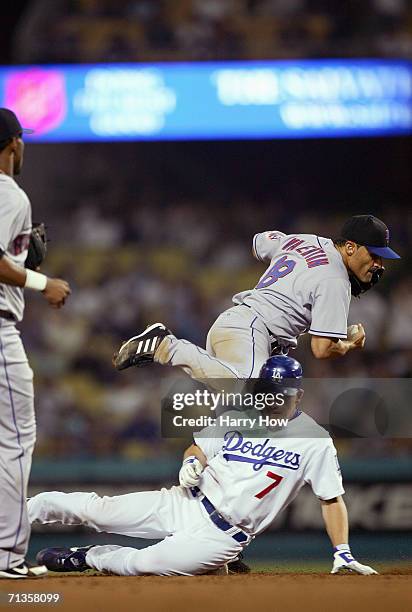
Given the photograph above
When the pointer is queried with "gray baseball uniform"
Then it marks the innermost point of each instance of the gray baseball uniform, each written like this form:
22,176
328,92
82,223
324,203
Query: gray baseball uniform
306,288
17,422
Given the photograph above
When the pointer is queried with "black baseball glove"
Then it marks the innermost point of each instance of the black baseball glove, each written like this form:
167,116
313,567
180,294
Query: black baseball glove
37,247
358,287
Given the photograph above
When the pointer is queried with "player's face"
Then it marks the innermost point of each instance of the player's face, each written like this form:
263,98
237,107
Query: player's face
18,151
287,407
362,263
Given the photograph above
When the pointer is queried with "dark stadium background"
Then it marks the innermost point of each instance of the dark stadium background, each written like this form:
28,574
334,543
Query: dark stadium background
162,231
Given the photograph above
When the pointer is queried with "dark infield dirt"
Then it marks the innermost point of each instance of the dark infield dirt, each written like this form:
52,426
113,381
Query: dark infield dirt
257,592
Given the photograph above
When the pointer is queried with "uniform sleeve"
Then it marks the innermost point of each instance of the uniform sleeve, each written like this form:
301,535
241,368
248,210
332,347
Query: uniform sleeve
323,473
208,444
12,219
266,245
330,308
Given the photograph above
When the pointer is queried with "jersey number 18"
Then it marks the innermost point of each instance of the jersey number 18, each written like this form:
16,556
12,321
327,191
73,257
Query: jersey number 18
280,269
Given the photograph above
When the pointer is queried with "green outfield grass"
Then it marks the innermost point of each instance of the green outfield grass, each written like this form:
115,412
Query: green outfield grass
307,567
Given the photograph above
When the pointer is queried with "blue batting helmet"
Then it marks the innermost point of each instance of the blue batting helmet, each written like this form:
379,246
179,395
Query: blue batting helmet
282,371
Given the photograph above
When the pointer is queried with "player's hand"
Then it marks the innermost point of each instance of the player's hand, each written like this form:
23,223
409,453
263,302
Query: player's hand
56,292
190,472
344,562
356,335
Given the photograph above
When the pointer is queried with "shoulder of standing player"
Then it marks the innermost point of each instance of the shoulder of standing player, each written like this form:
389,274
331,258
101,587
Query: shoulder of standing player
11,194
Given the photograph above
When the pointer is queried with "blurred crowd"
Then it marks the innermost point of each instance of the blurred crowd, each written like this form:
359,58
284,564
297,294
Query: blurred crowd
133,257
166,30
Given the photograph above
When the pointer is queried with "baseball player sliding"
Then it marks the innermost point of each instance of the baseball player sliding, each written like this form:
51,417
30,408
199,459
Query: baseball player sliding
232,486
17,421
307,287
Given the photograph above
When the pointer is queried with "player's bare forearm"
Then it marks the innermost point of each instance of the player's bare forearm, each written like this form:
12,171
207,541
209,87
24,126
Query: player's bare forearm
194,451
10,273
335,517
328,348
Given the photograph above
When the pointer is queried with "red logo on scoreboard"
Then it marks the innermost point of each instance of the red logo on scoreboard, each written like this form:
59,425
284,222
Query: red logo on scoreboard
38,97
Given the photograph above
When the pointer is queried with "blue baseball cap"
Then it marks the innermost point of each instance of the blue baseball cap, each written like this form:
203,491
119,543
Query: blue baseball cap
370,232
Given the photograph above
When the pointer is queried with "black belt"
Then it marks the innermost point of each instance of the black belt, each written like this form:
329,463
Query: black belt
5,314
218,519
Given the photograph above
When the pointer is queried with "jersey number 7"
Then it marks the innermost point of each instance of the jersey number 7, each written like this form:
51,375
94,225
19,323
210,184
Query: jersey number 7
276,481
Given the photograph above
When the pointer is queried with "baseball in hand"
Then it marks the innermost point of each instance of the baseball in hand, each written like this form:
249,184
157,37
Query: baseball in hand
356,335
353,331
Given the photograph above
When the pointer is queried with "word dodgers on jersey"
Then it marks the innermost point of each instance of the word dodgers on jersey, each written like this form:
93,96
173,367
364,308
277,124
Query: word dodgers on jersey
259,454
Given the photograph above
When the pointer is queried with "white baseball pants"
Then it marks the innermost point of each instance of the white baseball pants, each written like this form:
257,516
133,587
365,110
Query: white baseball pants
238,344
192,544
17,438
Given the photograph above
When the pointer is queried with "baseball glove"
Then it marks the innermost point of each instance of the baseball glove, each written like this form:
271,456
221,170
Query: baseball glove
37,247
358,287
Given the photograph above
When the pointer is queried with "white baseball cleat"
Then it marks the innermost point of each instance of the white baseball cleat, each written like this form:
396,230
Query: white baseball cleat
24,570
139,350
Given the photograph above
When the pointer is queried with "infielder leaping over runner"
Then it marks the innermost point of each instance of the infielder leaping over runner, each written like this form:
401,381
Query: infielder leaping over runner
232,486
306,288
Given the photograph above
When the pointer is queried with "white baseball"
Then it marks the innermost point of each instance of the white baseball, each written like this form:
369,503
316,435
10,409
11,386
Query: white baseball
352,331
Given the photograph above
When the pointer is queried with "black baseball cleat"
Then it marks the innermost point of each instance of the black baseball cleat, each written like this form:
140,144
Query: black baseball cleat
24,570
65,559
238,566
139,350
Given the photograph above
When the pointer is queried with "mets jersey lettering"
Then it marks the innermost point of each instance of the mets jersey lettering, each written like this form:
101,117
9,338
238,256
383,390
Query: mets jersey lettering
20,244
305,288
314,256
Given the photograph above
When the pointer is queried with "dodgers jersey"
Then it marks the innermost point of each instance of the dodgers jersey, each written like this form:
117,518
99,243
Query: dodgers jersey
15,230
306,287
251,480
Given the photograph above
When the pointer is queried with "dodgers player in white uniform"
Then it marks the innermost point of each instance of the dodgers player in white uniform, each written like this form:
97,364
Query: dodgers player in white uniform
306,288
231,489
17,421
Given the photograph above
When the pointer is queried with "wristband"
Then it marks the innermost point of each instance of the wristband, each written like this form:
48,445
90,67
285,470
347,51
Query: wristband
35,280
